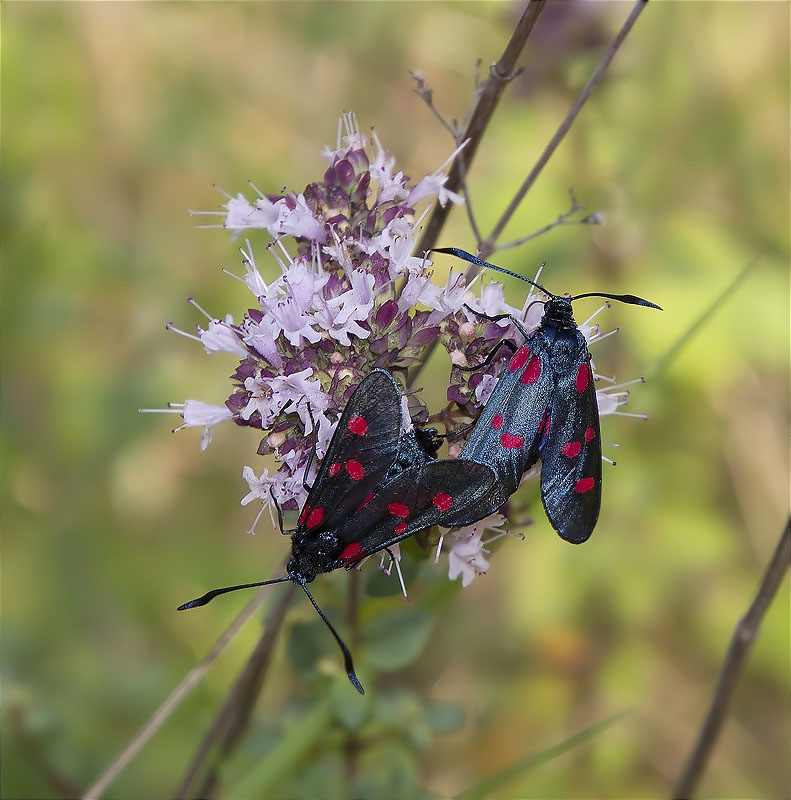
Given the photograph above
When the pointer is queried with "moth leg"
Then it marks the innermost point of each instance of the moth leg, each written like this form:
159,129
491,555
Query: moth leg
283,530
488,360
497,317
459,431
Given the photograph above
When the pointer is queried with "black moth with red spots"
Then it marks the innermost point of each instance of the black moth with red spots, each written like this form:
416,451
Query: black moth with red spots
543,406
376,486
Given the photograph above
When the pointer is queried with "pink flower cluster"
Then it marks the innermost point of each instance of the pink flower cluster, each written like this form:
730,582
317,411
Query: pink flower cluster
349,296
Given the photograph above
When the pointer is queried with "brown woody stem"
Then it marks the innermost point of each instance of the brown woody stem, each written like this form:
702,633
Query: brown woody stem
733,666
486,248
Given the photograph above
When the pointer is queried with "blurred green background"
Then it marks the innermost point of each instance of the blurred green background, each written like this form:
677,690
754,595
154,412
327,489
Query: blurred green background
117,118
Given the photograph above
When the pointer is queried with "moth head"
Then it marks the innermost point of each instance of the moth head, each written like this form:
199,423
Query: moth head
558,313
314,552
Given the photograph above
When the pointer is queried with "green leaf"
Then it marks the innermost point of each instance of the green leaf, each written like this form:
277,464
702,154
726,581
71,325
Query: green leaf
494,782
396,638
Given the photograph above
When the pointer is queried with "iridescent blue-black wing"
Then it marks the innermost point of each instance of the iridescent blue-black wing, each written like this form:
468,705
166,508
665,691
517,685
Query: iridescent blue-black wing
570,447
361,452
506,434
412,501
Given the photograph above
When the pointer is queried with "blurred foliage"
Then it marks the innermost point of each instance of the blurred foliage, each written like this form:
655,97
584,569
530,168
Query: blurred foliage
119,117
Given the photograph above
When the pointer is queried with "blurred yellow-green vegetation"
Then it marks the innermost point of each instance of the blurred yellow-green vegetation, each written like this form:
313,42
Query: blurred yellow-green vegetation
117,118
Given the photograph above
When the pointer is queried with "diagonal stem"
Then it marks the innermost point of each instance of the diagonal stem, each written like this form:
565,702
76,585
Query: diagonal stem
683,340
733,666
499,75
234,716
352,745
487,248
163,713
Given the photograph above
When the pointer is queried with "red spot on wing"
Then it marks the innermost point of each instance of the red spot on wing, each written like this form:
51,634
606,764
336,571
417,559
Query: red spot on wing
358,425
398,510
315,517
303,514
571,449
583,375
350,551
546,427
589,434
519,359
497,421
400,528
530,375
511,442
442,501
365,502
355,469
584,485
335,469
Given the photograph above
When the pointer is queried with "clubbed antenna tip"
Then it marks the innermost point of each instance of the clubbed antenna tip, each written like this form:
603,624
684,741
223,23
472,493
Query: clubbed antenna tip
209,596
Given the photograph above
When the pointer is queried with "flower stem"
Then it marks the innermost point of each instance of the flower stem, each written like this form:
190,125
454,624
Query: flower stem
286,756
486,248
352,743
163,713
733,666
234,715
499,75
683,340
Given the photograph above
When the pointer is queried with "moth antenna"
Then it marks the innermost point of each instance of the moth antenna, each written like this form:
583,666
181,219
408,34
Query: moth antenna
465,256
630,299
209,596
347,656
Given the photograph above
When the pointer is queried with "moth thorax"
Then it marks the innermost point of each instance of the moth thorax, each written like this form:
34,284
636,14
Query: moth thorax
558,313
563,355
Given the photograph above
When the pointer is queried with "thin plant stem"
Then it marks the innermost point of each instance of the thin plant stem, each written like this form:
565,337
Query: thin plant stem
30,746
429,238
664,361
163,713
500,74
743,636
286,756
487,247
563,219
352,743
234,716
467,204
492,784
